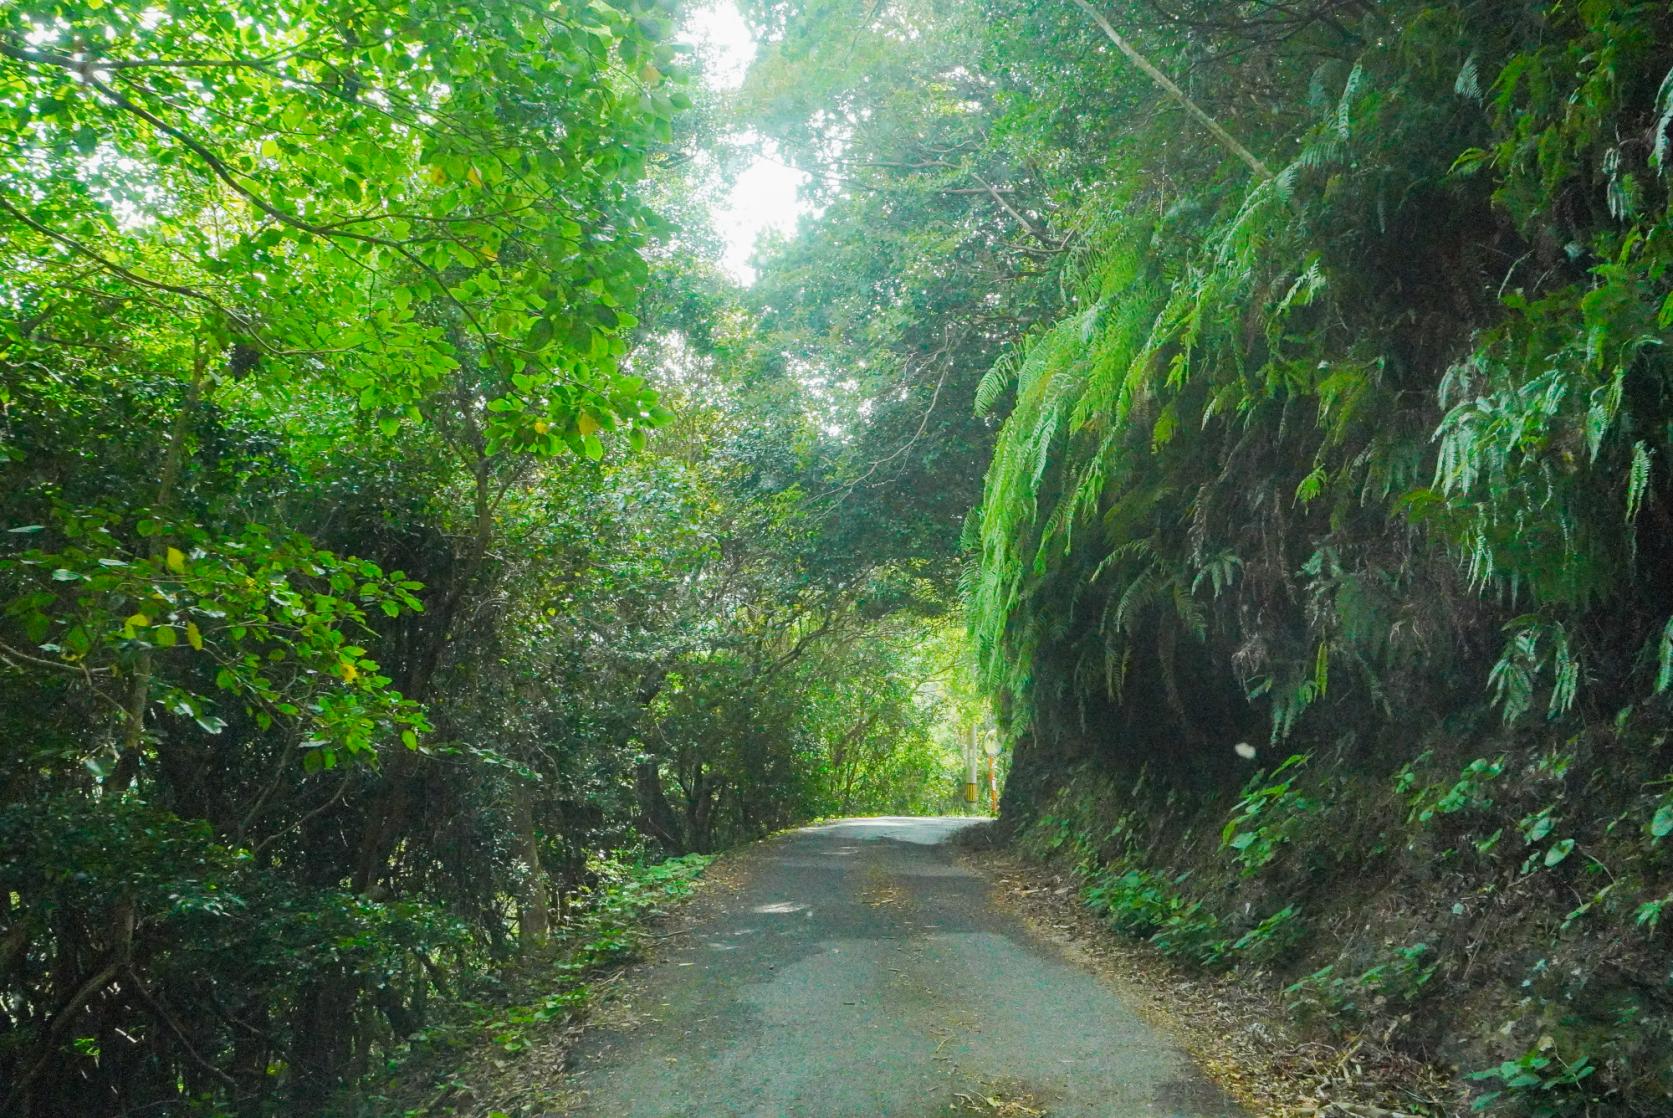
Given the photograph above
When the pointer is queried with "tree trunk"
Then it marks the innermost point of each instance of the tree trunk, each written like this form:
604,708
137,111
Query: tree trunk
174,463
657,819
534,917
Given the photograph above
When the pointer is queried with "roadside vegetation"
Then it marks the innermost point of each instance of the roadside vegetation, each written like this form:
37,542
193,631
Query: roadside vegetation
480,1051
398,514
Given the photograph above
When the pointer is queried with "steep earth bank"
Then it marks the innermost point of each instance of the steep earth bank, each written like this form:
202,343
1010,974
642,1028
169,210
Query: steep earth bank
1492,908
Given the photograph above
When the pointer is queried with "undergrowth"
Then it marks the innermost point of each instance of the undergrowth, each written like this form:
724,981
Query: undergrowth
1495,908
507,1014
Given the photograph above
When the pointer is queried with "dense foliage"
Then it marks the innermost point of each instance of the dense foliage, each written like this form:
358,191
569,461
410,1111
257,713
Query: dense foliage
350,608
1399,399
1326,344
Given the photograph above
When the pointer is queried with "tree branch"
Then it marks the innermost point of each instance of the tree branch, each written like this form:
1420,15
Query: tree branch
1227,140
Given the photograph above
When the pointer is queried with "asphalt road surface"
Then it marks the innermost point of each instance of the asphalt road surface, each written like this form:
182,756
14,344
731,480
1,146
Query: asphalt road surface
857,970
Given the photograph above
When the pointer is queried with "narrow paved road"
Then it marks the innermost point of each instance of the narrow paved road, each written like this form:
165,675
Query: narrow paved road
858,971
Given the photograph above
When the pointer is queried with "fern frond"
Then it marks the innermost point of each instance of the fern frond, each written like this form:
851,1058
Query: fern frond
1468,83
1344,107
1638,479
1664,121
1139,593
993,385
1566,683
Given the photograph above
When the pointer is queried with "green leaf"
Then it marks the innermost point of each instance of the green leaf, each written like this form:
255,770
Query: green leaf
1559,851
540,334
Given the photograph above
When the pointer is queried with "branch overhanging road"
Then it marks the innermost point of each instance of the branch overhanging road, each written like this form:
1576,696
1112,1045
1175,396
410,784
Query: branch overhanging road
858,970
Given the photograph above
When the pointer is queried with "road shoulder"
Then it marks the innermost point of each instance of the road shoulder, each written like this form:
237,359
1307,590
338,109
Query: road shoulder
1234,1034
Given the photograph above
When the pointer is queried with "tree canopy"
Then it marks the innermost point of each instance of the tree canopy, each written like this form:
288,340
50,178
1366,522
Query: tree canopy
350,611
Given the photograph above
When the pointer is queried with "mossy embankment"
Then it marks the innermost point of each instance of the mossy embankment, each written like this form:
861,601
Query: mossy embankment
1493,906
